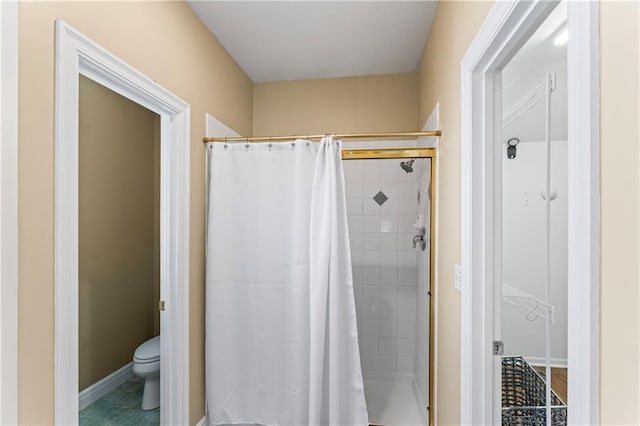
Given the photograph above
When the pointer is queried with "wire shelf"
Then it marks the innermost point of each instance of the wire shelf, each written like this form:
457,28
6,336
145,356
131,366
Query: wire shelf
535,307
530,99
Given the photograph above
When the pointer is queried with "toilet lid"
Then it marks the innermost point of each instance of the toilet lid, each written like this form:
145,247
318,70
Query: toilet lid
148,351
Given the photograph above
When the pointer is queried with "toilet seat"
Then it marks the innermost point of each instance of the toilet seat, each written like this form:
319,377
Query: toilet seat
148,352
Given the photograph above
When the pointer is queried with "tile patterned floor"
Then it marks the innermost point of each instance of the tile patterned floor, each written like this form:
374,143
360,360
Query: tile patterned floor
120,407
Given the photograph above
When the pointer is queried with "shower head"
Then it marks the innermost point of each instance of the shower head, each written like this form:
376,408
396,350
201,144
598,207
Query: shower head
407,166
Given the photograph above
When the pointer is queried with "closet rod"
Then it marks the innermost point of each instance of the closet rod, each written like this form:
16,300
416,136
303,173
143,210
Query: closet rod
260,139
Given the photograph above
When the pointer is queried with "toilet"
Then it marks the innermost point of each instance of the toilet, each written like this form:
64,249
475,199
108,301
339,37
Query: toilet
146,364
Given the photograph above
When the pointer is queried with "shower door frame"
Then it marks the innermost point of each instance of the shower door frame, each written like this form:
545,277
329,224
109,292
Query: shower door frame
75,55
414,152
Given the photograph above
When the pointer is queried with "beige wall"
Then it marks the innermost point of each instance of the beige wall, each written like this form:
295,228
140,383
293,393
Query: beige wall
352,104
454,27
117,205
165,41
156,220
620,185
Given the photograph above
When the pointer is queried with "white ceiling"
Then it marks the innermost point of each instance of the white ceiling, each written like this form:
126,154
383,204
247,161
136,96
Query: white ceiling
296,40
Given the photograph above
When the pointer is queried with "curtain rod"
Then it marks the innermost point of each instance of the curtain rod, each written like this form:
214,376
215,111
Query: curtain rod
259,139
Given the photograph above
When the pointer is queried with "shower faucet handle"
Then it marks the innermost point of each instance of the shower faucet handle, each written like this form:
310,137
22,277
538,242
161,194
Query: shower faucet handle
420,238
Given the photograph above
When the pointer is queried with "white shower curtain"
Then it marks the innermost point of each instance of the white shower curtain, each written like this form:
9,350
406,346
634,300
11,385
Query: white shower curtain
281,337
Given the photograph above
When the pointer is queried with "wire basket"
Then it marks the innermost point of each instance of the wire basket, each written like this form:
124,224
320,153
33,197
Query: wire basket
524,396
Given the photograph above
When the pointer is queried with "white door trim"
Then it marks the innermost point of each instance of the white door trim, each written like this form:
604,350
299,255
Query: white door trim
75,55
9,212
506,29
583,71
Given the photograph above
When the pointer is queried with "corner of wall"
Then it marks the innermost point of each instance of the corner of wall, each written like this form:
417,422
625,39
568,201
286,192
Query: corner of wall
254,86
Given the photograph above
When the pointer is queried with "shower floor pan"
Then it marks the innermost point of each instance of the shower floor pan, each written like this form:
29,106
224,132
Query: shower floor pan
524,394
392,404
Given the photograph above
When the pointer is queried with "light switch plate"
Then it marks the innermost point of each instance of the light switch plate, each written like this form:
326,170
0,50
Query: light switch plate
457,277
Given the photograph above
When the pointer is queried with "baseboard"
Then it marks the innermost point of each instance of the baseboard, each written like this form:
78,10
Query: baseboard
104,386
202,421
541,362
421,407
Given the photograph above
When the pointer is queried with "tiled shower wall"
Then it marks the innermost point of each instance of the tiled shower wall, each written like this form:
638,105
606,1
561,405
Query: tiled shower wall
382,207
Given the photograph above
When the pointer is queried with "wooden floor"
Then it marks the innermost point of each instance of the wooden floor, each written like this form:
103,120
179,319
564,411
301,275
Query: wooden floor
558,381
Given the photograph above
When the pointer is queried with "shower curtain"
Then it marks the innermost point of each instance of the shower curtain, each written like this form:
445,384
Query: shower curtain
281,343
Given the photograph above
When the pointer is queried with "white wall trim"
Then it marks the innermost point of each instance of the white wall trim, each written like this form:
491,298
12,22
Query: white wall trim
506,29
105,385
9,212
583,92
75,55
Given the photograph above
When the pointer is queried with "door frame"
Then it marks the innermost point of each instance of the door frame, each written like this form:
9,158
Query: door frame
504,32
77,55
9,212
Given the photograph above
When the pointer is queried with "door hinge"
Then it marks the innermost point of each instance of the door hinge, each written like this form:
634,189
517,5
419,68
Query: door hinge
161,305
498,347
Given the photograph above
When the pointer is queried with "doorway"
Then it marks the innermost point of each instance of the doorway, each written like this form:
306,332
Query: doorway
76,56
119,257
531,322
506,30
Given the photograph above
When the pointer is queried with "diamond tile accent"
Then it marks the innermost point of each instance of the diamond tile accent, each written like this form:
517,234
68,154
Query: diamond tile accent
380,198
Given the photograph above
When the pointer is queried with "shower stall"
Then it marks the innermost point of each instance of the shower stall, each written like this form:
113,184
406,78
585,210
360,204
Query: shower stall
319,295
389,217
